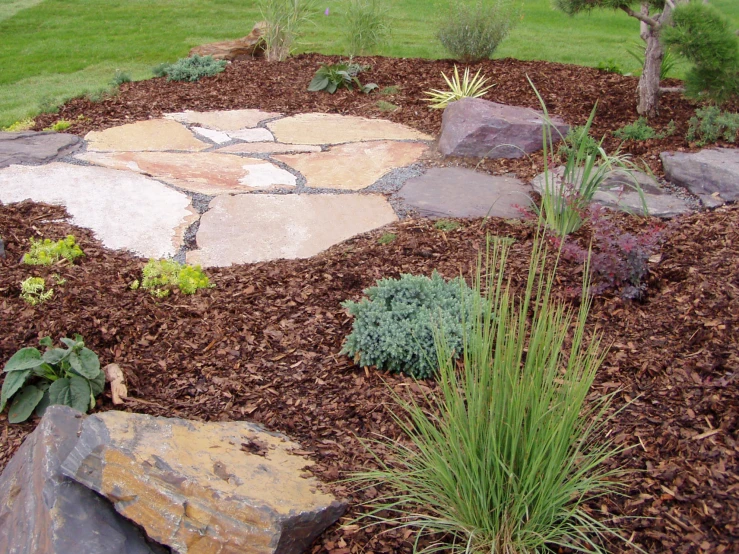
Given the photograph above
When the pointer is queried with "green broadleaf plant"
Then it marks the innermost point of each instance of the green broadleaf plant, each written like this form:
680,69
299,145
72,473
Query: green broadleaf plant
34,381
331,77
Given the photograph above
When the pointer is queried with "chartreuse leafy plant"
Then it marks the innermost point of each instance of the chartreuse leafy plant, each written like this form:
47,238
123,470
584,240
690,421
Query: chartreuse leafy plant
34,381
161,276
465,87
393,326
48,252
507,452
33,291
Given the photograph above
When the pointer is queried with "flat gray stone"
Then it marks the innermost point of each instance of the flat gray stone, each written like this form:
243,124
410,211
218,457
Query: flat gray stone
29,147
479,128
711,174
459,192
43,512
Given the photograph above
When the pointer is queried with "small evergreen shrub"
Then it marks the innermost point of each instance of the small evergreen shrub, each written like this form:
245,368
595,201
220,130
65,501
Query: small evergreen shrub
472,31
385,106
710,124
641,130
33,291
161,276
190,69
47,252
120,77
392,89
367,25
394,326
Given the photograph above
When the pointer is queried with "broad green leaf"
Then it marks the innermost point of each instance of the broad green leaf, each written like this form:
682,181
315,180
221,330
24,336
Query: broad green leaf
97,384
45,370
13,381
25,358
318,83
24,403
85,363
44,403
46,341
73,392
55,355
71,343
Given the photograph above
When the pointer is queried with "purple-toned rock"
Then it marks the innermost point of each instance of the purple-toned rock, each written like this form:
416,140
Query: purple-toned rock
29,147
481,129
43,512
711,174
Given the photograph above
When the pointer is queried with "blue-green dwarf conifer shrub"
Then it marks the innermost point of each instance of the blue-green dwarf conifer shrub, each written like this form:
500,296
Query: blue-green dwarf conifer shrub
394,326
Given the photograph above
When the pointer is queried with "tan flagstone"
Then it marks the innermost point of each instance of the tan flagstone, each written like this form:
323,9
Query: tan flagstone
219,137
267,148
203,172
258,134
142,136
224,120
353,166
319,128
249,228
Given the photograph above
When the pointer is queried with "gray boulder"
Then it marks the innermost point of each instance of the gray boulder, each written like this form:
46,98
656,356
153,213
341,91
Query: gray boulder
29,147
43,512
481,129
711,174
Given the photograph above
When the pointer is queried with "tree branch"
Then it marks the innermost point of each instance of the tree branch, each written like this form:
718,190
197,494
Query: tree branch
641,17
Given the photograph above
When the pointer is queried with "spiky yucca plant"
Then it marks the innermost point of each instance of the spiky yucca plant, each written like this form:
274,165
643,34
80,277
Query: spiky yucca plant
465,87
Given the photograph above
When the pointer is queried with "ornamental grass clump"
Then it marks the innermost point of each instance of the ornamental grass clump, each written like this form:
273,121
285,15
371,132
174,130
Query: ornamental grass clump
393,326
507,452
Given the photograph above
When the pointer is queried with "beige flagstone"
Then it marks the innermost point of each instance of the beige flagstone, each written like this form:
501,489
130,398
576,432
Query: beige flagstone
219,137
152,135
267,148
252,135
249,228
319,128
223,120
353,166
203,172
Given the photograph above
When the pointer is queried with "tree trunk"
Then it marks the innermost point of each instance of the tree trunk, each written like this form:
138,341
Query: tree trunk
648,90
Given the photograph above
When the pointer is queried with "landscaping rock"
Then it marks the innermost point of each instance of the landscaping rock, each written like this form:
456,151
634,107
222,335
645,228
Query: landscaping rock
459,192
2,248
221,488
250,46
251,228
268,148
43,512
219,137
618,192
711,174
223,120
29,147
152,135
252,135
354,166
204,172
481,129
124,210
320,128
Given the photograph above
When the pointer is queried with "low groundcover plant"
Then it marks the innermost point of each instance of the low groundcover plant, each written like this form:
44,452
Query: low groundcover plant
33,291
159,277
48,252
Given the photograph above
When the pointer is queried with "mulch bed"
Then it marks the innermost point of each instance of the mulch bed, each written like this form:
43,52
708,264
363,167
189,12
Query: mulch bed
263,345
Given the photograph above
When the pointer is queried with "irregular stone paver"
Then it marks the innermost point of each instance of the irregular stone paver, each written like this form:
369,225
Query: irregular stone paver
203,488
711,174
252,228
223,120
152,135
35,148
318,128
252,135
204,172
219,137
267,148
353,166
460,192
42,512
125,210
618,192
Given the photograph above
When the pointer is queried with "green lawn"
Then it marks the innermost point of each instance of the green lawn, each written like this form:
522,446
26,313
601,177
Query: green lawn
51,50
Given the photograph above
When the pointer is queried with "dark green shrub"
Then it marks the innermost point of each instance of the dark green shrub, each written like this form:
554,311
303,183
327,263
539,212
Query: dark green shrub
709,124
394,326
191,69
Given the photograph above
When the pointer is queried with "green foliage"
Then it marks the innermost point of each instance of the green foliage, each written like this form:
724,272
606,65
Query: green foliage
47,104
702,35
392,89
331,77
33,291
458,88
47,252
669,60
385,106
190,69
286,21
387,238
446,225
161,276
21,125
578,137
472,31
710,124
394,326
120,77
368,25
59,126
505,456
69,376
610,66
641,130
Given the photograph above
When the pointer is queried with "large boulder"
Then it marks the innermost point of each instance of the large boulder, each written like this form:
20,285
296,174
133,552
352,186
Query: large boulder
481,129
250,46
220,488
711,174
43,512
30,147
